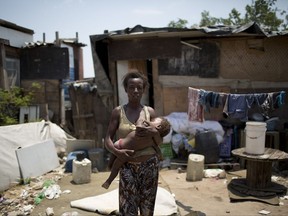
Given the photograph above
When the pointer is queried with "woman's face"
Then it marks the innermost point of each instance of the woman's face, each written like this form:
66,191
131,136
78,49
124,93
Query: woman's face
135,89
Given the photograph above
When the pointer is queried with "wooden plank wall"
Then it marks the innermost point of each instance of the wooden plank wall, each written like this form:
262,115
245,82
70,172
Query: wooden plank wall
82,114
90,116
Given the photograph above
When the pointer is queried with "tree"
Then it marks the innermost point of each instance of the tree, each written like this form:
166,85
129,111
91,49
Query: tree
11,101
234,18
262,12
285,23
207,20
181,23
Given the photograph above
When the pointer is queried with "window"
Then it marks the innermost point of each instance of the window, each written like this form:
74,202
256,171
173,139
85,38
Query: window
13,72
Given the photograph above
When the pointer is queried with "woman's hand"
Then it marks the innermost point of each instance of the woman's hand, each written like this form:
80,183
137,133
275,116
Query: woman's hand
124,154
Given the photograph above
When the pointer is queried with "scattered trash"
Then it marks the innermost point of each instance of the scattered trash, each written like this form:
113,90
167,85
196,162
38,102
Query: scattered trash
24,194
52,192
49,211
22,199
284,197
39,198
66,192
264,212
212,173
1,198
28,209
74,213
180,170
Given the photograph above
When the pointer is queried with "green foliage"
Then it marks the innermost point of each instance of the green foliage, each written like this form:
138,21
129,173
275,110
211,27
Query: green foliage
181,23
207,20
263,12
233,20
11,101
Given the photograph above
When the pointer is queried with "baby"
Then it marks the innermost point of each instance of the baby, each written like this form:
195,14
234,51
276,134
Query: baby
134,142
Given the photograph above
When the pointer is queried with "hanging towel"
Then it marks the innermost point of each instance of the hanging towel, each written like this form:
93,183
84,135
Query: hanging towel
195,110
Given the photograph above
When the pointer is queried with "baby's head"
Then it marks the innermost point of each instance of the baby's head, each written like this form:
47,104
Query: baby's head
162,125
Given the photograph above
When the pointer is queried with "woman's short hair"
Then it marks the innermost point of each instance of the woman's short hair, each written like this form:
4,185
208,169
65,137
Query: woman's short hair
134,74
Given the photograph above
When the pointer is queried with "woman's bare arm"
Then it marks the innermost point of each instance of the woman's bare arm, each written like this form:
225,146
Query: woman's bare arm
122,154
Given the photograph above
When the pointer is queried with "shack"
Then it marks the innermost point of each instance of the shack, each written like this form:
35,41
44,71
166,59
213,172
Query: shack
229,59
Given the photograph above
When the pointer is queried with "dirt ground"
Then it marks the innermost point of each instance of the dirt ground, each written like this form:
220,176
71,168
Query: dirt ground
207,197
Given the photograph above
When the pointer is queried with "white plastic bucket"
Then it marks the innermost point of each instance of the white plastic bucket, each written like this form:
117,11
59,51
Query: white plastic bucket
195,167
255,137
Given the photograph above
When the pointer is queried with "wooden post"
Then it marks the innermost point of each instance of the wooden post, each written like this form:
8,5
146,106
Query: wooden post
259,174
3,72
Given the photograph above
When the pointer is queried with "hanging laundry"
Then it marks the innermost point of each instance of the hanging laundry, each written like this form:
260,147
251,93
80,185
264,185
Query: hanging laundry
210,99
273,101
237,105
280,98
234,105
195,110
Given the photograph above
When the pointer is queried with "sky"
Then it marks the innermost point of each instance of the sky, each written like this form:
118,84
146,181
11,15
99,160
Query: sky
91,17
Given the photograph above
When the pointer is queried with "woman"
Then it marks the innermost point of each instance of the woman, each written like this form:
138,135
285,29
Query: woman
163,127
138,180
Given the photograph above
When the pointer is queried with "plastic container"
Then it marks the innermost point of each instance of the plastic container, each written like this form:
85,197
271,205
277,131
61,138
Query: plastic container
195,167
207,144
71,156
81,171
96,155
255,137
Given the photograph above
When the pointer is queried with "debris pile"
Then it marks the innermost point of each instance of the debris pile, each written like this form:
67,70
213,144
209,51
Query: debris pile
22,199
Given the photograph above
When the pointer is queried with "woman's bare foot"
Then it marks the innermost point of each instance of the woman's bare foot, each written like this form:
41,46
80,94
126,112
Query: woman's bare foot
106,185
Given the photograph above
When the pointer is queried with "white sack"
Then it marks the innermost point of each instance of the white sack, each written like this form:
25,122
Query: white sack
180,124
13,137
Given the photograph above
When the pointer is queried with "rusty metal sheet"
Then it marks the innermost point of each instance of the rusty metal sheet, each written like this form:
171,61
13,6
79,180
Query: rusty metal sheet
144,49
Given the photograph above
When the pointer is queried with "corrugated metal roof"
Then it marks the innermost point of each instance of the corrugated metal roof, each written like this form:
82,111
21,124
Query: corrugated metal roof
250,29
44,44
73,41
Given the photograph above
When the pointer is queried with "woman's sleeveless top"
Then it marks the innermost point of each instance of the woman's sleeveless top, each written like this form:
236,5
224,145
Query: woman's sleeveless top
125,127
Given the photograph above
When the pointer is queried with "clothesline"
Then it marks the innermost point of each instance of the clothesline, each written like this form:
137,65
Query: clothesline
234,105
